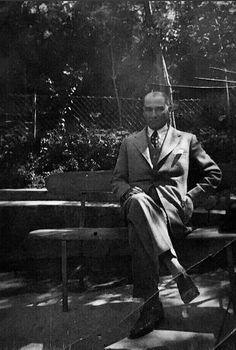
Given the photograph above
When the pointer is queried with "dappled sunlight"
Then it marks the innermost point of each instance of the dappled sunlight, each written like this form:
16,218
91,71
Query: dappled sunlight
11,284
5,303
214,290
43,296
190,318
32,346
110,298
48,302
170,339
95,312
46,299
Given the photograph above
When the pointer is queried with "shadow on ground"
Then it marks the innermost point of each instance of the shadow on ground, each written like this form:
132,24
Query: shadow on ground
32,313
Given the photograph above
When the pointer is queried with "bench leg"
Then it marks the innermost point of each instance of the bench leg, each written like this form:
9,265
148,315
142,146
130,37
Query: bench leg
64,276
232,279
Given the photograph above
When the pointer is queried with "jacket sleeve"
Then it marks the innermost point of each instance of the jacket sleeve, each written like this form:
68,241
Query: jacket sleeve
120,179
210,170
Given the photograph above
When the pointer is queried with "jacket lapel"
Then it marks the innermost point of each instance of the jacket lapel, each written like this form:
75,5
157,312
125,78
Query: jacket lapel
170,142
140,140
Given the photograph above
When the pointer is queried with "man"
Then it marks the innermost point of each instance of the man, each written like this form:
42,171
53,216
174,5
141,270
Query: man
150,179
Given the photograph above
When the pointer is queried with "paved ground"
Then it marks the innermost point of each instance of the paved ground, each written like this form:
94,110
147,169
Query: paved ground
32,314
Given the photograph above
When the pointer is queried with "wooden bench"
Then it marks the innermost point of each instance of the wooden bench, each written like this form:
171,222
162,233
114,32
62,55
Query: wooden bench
96,186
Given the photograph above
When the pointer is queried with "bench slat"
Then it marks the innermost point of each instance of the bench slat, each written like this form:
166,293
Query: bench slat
76,182
120,233
82,233
211,233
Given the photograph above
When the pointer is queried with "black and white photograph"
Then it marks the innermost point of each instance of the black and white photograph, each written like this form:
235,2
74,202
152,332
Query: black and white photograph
118,175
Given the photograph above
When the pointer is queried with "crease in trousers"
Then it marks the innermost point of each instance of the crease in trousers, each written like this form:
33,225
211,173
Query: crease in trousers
149,239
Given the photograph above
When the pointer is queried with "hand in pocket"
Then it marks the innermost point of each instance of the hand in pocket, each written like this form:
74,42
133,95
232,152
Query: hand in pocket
188,207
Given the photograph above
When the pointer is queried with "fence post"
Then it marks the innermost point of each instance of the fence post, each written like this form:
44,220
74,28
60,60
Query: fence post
115,85
35,117
170,91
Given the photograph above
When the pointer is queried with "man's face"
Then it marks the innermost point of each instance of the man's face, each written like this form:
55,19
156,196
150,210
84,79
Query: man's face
155,111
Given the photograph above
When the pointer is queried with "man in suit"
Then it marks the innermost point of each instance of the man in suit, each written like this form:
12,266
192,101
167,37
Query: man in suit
150,179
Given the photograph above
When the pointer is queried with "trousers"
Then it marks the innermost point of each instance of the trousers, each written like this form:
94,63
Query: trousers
149,240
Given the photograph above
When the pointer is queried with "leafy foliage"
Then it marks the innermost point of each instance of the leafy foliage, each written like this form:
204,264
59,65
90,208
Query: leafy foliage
85,150
221,145
59,152
66,45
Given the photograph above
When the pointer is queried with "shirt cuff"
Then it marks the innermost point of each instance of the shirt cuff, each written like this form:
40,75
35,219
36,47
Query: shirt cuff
196,193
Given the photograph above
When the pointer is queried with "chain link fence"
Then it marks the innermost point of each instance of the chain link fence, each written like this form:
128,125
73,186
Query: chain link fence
103,113
16,116
31,116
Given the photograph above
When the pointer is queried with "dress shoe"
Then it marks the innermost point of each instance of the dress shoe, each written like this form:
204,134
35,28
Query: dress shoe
149,319
187,289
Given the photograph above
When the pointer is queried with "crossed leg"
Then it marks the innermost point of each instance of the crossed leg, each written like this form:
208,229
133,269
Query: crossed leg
150,243
149,239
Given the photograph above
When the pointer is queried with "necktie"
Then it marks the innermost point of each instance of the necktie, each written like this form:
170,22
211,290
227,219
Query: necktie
155,139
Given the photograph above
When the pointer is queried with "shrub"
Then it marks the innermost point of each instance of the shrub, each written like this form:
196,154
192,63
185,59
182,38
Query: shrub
221,145
86,150
60,151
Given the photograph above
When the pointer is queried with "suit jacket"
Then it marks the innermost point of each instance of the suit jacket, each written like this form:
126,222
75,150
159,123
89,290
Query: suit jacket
180,150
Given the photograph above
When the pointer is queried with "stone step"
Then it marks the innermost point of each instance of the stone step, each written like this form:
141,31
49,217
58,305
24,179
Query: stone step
167,340
32,346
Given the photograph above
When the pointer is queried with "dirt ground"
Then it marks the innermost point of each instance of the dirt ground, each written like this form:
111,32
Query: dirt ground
32,313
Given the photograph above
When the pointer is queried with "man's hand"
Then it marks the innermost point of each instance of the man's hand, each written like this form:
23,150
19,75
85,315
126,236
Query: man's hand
131,192
188,207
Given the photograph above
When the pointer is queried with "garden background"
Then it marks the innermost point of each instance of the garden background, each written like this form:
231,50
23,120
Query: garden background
73,74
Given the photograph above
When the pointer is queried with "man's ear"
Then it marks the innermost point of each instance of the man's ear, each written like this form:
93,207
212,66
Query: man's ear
173,107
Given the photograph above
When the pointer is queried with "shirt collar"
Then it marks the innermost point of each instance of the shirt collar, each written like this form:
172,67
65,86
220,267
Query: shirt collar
163,130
